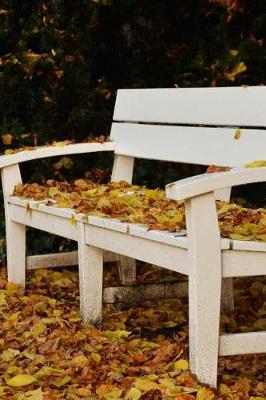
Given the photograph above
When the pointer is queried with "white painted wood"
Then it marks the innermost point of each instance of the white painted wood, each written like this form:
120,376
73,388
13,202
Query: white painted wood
123,171
236,106
227,296
146,291
108,223
243,263
52,260
52,151
90,279
163,255
15,232
204,286
41,206
186,144
223,194
199,184
242,343
45,222
55,260
248,245
127,270
178,238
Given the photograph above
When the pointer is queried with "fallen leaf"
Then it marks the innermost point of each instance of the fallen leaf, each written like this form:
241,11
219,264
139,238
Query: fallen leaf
21,380
237,134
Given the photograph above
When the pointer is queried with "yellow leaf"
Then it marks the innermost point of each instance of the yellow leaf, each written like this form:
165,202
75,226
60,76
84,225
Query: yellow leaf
260,324
181,364
3,300
73,220
233,52
37,329
109,392
116,335
66,162
167,382
205,394
9,151
60,144
237,134
224,389
237,70
79,360
58,382
7,138
144,385
34,394
12,287
255,164
21,380
83,392
133,394
96,357
182,390
9,354
236,236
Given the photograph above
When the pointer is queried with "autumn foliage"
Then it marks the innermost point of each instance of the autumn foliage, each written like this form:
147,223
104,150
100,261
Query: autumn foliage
141,353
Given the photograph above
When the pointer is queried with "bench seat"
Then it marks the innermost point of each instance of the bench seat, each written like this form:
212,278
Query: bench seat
178,238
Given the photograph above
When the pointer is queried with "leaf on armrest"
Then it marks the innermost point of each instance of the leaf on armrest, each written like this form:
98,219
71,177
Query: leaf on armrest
255,164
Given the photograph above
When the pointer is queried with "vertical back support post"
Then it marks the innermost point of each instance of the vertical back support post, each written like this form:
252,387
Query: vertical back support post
123,171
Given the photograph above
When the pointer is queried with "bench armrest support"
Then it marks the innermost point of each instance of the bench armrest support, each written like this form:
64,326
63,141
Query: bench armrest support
205,183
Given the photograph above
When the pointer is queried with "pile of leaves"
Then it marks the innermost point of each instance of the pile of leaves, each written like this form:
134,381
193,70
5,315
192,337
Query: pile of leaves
137,204
141,353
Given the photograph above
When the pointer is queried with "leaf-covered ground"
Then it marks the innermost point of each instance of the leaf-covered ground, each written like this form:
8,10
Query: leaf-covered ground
140,353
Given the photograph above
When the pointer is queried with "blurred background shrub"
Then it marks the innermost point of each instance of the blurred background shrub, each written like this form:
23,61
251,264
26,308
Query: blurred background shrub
61,62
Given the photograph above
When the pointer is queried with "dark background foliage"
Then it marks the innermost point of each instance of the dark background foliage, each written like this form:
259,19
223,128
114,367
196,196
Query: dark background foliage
61,62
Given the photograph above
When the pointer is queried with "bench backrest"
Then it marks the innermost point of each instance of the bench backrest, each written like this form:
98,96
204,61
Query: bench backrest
220,126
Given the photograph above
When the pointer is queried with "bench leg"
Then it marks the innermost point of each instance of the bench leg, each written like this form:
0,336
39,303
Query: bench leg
127,270
204,287
16,252
204,313
90,280
227,298
15,233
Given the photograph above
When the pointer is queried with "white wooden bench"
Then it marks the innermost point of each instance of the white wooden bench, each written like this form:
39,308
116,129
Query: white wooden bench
180,125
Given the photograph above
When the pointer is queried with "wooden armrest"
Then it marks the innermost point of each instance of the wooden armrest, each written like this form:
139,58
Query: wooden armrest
200,184
51,151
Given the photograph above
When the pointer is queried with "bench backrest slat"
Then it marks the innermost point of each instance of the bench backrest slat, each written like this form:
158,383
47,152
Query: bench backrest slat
196,145
225,106
197,125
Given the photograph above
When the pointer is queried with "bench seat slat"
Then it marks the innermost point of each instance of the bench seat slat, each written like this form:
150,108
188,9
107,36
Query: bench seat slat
226,106
248,245
195,145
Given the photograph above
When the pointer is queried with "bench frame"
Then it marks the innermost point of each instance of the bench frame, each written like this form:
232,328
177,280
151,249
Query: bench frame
202,256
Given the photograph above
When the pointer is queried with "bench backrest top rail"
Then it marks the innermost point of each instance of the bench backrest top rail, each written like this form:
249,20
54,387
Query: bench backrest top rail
225,106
